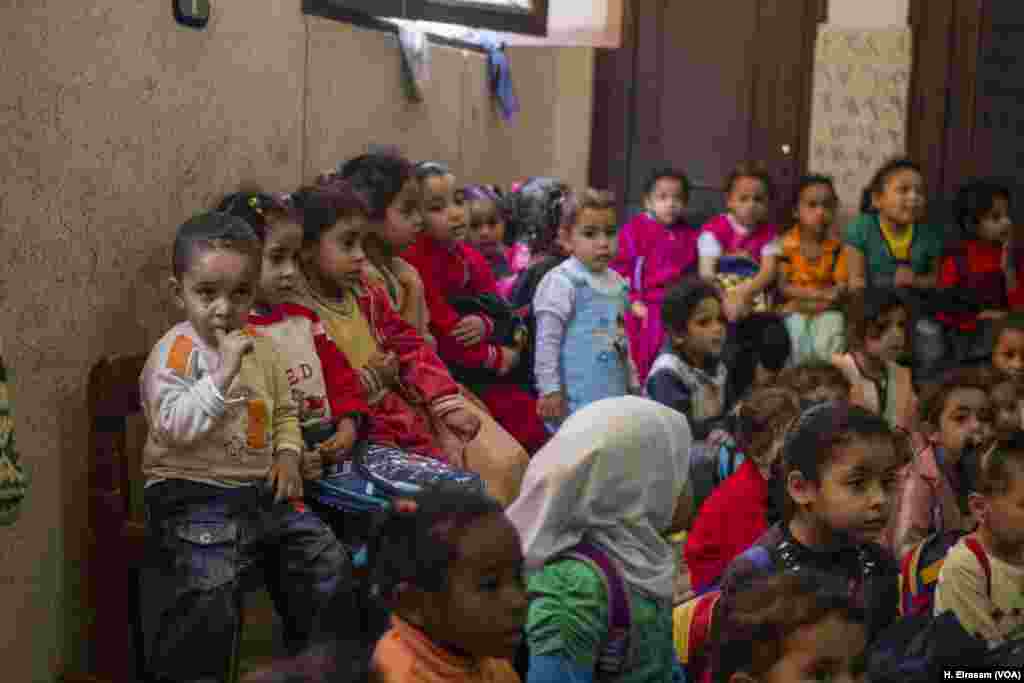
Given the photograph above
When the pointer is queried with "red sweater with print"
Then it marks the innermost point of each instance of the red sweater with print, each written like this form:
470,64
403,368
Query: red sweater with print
974,268
318,372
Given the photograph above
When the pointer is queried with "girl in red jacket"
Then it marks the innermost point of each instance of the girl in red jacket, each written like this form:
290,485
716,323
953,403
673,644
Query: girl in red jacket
452,270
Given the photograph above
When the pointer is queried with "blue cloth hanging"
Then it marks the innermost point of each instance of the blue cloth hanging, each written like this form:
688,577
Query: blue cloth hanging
501,74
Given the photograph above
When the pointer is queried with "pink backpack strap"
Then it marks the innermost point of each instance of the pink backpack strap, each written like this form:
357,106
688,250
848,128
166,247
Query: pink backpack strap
979,552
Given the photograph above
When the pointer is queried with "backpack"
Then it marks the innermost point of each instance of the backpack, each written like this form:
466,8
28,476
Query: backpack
919,571
919,646
692,623
691,630
350,493
511,328
616,651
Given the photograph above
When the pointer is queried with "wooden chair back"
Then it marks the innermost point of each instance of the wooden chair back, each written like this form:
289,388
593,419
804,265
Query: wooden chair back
116,522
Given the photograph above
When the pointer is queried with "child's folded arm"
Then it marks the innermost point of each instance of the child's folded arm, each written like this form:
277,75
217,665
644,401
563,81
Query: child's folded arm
403,338
766,274
856,267
181,411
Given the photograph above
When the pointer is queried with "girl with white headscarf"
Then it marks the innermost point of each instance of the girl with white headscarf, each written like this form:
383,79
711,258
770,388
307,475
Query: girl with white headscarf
616,475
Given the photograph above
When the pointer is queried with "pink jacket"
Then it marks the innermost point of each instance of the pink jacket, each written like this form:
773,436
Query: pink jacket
928,504
735,244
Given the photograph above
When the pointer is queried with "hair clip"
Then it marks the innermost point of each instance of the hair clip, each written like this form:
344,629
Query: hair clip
433,166
256,204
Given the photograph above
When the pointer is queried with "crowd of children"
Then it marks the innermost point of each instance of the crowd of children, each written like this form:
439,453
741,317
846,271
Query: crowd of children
752,387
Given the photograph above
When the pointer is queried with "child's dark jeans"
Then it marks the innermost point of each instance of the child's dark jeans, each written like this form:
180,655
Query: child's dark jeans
203,542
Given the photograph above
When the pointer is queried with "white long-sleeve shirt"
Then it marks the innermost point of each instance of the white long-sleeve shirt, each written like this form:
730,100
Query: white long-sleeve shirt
198,434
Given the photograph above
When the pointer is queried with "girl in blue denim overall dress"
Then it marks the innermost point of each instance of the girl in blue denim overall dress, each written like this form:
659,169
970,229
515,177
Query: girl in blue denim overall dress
582,353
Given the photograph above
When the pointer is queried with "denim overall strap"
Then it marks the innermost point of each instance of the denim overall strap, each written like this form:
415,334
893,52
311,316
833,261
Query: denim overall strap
593,360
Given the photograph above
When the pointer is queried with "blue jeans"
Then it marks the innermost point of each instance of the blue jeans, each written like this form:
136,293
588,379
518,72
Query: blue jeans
203,541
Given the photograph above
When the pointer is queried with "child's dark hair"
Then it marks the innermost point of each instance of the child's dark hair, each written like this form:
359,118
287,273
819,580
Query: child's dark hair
769,611
750,169
993,473
379,178
812,440
762,418
258,209
213,230
667,172
807,378
936,394
683,299
534,212
760,339
812,180
864,312
974,200
881,177
320,208
419,548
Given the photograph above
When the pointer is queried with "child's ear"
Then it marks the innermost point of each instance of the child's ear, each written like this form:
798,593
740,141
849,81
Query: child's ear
177,291
978,505
802,491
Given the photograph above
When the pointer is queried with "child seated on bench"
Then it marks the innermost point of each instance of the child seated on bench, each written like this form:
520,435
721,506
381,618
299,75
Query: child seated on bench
221,461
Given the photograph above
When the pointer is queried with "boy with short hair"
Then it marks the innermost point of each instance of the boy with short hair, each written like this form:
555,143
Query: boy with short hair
223,432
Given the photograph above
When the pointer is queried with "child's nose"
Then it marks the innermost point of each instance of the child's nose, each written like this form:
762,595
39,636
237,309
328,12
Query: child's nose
221,306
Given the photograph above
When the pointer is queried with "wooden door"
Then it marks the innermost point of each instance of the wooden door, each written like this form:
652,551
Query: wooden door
702,86
997,143
967,103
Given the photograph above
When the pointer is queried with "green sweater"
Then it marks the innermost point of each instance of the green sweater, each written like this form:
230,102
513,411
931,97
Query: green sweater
568,618
13,482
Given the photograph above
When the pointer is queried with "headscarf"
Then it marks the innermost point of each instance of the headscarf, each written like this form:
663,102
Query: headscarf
611,475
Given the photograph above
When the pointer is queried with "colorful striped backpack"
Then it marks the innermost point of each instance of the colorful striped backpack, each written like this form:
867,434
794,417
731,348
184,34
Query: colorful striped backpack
919,570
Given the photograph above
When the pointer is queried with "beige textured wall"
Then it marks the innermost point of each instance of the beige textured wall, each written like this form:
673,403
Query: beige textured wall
868,13
457,121
115,125
858,15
